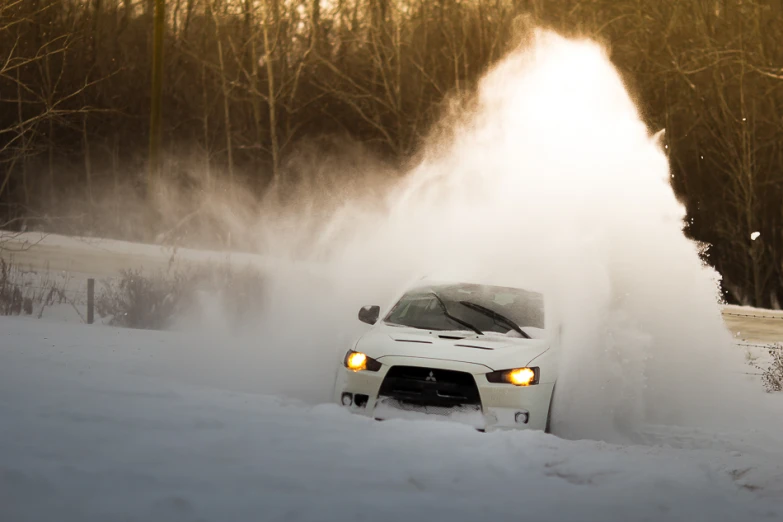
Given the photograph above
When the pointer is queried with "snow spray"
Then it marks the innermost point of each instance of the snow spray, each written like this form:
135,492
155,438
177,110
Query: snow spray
547,179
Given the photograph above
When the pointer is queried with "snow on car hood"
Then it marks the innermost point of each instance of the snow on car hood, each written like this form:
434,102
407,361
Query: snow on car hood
496,352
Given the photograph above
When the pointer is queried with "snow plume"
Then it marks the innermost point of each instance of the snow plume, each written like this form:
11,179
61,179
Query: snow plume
548,180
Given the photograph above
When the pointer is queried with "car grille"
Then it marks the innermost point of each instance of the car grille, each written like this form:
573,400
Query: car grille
430,387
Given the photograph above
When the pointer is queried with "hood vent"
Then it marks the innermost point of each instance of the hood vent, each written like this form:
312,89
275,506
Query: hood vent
412,341
452,337
474,346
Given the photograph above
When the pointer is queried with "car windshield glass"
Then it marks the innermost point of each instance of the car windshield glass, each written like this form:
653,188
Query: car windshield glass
419,308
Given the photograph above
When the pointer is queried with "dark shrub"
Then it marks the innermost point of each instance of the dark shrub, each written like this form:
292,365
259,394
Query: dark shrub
156,301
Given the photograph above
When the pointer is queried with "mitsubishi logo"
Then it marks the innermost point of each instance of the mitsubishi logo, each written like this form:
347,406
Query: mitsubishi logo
431,377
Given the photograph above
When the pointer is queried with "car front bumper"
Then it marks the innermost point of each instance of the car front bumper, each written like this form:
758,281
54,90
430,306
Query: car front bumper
503,406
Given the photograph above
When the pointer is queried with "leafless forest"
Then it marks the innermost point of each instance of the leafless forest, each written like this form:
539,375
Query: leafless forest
244,84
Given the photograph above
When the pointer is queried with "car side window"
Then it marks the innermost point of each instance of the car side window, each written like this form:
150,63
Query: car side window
412,307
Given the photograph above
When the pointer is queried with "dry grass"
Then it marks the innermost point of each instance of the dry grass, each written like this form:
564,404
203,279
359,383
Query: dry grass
772,375
28,292
155,301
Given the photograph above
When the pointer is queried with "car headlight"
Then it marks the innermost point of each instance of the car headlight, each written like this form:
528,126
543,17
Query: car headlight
515,376
357,361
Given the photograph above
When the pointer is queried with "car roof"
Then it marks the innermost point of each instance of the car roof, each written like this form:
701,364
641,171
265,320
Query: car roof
424,284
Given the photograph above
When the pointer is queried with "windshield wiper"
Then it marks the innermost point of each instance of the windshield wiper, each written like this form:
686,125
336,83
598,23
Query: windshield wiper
460,321
496,316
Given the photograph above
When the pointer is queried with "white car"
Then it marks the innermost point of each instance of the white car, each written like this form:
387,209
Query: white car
470,353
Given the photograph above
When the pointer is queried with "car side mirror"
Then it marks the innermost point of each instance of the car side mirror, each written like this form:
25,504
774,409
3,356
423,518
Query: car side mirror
369,314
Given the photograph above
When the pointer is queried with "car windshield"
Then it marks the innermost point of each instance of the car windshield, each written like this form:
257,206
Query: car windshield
488,308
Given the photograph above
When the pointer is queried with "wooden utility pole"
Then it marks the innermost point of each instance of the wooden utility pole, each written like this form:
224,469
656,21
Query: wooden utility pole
159,25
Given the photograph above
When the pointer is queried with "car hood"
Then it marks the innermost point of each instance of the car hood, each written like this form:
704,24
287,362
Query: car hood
494,352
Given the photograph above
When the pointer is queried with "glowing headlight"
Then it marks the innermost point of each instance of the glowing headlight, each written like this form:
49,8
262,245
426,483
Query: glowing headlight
515,376
357,361
522,376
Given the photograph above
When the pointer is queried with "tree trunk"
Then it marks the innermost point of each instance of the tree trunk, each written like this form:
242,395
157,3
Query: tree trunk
270,72
20,115
175,19
227,116
157,92
253,58
188,14
95,32
49,103
115,163
128,6
205,101
87,161
226,107
315,35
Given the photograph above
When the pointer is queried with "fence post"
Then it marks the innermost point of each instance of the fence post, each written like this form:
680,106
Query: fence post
90,300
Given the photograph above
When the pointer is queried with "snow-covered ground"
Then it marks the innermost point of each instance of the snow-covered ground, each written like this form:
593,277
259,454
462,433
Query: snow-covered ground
84,257
71,260
104,424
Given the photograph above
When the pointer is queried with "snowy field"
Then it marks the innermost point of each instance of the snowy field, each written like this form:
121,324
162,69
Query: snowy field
75,259
103,424
84,257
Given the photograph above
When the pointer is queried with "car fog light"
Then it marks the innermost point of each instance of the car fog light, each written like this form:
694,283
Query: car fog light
522,417
347,399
